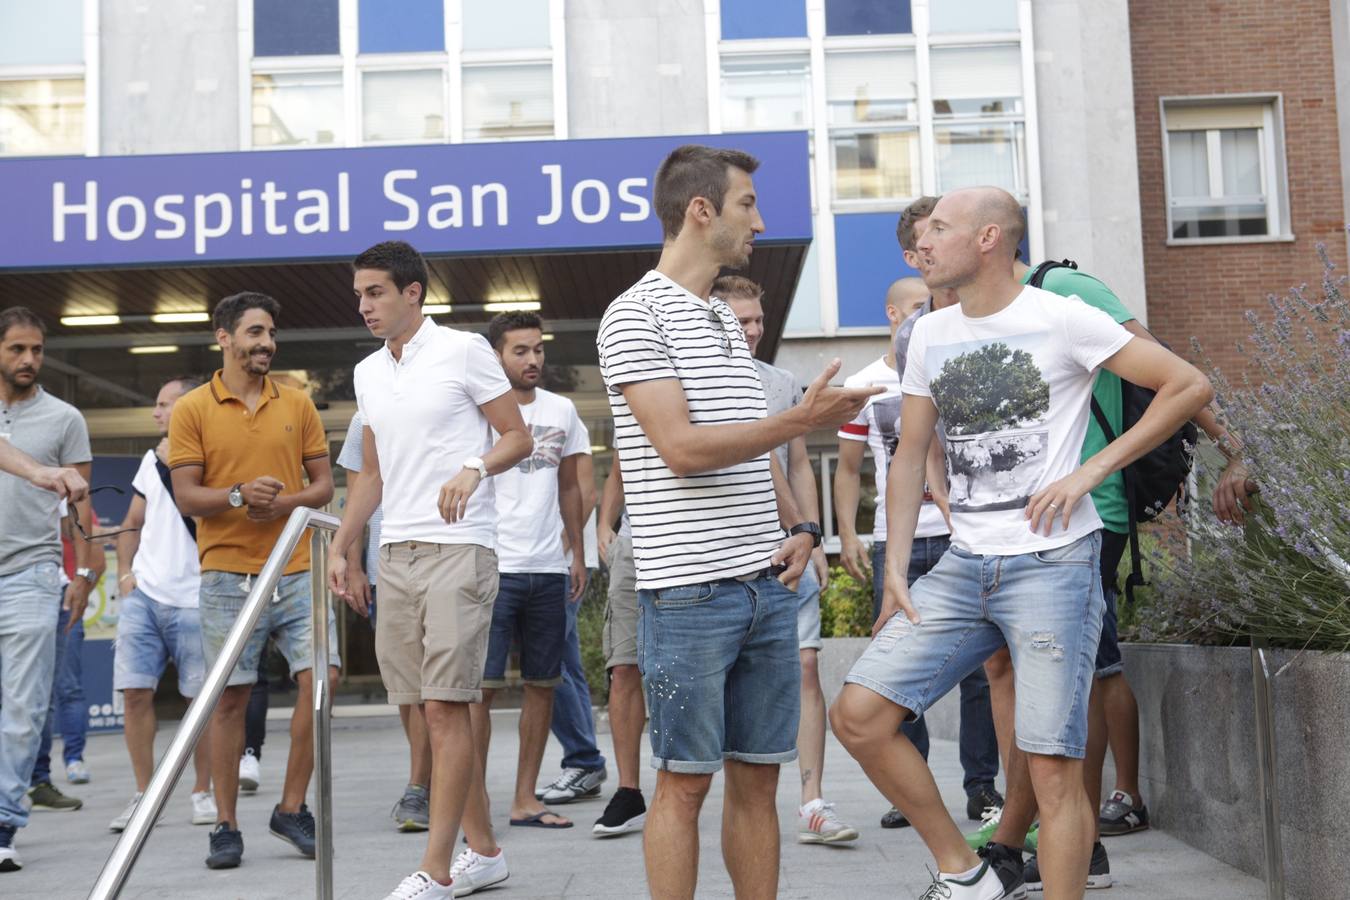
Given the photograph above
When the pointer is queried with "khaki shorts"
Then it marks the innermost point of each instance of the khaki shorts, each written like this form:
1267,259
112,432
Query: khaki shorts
621,608
435,611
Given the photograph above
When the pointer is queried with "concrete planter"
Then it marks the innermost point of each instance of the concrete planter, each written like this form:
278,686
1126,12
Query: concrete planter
1198,764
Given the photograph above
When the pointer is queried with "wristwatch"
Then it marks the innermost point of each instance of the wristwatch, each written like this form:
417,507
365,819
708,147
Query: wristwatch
87,574
810,528
477,464
236,496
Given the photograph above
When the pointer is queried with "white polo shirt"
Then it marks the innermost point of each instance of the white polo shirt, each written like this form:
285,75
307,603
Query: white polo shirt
166,564
424,412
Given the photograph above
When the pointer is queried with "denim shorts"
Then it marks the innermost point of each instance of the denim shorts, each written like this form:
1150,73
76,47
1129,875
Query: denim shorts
1046,606
808,610
1109,661
286,618
722,676
531,609
149,634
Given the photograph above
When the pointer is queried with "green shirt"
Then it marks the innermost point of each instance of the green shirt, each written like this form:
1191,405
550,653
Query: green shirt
1109,497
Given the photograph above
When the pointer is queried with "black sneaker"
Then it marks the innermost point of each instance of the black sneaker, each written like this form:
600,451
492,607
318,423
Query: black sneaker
894,818
1007,865
1099,871
985,798
1120,816
626,812
227,847
45,796
9,857
296,829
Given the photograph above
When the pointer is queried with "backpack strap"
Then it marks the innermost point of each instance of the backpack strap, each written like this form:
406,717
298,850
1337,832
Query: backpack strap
1136,576
1038,274
1100,416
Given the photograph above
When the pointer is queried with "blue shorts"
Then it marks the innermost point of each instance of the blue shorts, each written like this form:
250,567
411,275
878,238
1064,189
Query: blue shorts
286,618
1046,606
721,671
149,634
1109,660
531,608
808,610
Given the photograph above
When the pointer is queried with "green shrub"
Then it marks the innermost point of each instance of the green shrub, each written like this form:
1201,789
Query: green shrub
590,633
845,606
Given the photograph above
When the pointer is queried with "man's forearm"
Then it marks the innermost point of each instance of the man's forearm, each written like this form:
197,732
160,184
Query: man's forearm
16,462
511,448
788,512
200,501
846,493
128,542
1174,403
611,497
315,495
904,496
802,480
363,498
87,553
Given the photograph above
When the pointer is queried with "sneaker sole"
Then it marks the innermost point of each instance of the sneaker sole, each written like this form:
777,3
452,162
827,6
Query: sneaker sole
841,837
223,863
1094,883
408,826
634,824
202,820
1116,831
279,836
482,887
36,808
569,797
10,865
248,786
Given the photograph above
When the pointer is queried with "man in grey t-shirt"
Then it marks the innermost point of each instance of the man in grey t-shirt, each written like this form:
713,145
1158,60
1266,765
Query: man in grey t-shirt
817,821
52,433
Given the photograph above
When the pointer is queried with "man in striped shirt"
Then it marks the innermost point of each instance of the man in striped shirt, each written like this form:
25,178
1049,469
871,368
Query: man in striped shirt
708,504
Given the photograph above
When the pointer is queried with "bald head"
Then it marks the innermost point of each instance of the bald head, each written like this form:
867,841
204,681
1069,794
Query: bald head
979,207
905,296
971,230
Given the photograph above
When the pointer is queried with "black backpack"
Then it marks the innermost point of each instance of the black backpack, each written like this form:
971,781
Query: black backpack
1153,480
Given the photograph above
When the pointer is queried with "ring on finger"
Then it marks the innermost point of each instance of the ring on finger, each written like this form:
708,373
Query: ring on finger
1054,506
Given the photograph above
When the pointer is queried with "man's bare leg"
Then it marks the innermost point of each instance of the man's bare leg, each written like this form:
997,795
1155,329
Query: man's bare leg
1065,845
477,816
627,718
419,743
810,729
1122,732
300,762
139,731
201,766
227,745
536,712
450,737
867,724
750,829
1096,753
1002,700
670,839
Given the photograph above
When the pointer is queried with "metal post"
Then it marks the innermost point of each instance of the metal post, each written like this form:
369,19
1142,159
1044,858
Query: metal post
1266,768
323,712
113,877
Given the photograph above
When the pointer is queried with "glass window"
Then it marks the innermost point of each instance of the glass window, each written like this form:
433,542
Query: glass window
1224,165
948,16
508,101
864,88
743,19
402,26
403,105
766,94
42,117
876,166
1188,156
976,80
506,25
42,34
1240,158
978,154
295,27
869,17
297,108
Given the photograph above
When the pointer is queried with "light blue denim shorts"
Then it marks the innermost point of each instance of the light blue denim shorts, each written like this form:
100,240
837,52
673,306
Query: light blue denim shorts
149,634
1046,606
808,610
286,618
723,679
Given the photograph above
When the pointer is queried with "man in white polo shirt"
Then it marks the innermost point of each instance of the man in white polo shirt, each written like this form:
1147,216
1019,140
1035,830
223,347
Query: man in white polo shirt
431,398
159,579
709,505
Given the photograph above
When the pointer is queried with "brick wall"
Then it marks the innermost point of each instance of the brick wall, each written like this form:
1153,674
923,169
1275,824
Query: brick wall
1203,47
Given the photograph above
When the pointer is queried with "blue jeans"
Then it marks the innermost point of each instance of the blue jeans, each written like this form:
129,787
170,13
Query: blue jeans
29,602
978,743
287,618
1045,606
67,709
573,718
529,611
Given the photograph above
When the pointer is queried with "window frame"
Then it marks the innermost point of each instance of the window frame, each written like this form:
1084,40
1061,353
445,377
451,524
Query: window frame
380,63
1274,166
88,72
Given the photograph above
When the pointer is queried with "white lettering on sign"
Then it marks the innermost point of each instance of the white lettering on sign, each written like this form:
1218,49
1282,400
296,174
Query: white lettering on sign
596,207
445,213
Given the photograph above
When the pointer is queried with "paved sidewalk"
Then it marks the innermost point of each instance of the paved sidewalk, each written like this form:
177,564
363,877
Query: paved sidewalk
62,852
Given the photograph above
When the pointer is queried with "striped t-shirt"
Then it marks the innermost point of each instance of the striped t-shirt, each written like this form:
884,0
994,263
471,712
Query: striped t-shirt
702,527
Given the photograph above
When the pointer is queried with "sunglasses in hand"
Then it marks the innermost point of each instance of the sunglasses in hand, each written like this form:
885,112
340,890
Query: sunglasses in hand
102,535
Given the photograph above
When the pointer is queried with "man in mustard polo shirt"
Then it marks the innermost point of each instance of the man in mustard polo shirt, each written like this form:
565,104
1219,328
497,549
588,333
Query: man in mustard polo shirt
241,448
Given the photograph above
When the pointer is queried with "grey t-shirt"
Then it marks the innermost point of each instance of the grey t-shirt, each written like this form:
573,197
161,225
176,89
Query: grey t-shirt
781,394
53,433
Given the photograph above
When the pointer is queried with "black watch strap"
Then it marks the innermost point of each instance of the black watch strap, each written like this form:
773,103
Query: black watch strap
810,528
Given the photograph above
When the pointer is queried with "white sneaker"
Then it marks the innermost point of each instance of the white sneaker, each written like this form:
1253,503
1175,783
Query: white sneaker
421,886
820,825
9,857
120,823
203,808
983,885
77,772
473,872
250,773
573,784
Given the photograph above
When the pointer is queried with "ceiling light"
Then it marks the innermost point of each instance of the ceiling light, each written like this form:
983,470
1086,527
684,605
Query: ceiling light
436,309
179,317
548,337
598,448
513,306
154,348
77,321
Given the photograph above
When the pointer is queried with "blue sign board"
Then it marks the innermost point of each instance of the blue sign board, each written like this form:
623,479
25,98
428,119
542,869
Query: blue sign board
305,204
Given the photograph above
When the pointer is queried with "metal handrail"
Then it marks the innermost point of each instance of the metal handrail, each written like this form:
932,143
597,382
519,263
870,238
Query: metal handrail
113,876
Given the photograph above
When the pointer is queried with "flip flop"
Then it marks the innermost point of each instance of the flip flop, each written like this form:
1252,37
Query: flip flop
537,821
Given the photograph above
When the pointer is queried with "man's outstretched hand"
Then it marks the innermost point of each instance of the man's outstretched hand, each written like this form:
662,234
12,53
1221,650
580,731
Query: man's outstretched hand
827,406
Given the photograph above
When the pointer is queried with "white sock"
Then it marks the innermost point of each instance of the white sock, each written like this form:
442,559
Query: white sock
812,806
961,876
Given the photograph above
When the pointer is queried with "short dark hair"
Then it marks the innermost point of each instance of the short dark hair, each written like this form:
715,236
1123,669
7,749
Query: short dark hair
919,209
736,287
186,382
694,171
511,321
230,310
400,259
20,316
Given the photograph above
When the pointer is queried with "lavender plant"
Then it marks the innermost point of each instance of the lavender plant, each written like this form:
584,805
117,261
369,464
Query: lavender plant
1284,576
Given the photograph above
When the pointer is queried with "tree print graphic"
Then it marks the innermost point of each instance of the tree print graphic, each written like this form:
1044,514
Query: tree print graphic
990,389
